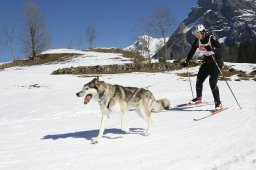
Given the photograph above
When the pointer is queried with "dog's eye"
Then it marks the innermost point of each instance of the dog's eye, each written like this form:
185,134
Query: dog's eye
86,88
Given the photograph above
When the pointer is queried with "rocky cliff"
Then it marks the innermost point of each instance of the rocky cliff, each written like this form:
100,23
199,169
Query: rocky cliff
233,22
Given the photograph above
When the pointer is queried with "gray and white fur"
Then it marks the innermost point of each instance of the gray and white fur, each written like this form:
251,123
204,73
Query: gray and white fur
119,99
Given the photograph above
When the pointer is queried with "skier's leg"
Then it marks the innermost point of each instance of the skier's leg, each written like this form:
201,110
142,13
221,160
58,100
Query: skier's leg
201,76
214,76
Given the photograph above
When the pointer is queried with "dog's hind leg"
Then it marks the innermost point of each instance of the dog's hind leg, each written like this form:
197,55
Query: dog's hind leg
149,121
101,131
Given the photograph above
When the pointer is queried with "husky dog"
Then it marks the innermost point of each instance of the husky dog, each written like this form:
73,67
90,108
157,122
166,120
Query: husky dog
119,99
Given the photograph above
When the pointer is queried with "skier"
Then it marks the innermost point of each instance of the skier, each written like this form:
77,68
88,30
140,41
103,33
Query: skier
208,46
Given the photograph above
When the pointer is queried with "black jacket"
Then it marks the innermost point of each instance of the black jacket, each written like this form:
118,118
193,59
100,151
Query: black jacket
215,45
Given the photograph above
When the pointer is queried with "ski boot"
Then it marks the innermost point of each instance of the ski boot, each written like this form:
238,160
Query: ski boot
196,100
218,105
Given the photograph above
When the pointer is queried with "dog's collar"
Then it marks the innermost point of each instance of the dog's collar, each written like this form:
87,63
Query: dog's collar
102,97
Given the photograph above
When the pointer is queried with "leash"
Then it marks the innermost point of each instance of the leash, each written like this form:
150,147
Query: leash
156,83
159,82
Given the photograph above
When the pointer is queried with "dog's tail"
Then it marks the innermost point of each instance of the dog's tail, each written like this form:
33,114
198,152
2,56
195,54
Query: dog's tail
161,104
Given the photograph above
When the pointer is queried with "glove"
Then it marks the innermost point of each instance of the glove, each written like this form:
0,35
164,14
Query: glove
184,64
208,48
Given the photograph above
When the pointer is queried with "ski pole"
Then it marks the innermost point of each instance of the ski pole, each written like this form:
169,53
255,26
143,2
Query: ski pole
225,80
190,83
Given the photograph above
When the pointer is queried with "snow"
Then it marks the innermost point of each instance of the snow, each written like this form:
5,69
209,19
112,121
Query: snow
222,40
247,67
63,50
50,128
246,15
186,29
208,11
154,44
189,26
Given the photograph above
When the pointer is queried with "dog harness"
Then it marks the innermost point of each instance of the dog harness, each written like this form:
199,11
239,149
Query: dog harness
132,91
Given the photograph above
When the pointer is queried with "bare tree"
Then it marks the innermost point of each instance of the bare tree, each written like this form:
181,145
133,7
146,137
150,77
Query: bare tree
142,28
80,39
159,45
9,36
90,35
35,36
70,44
161,23
146,42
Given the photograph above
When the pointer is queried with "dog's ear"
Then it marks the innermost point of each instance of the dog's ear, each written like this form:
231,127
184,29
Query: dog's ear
95,81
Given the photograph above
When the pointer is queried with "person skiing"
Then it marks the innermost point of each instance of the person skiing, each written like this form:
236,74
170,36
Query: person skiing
208,46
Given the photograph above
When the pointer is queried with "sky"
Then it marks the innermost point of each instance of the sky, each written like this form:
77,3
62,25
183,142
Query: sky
114,20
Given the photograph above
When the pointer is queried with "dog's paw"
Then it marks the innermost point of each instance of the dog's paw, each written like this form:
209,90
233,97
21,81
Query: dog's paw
94,140
126,130
146,133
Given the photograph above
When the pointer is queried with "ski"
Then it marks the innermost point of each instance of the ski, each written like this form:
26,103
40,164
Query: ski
193,104
212,113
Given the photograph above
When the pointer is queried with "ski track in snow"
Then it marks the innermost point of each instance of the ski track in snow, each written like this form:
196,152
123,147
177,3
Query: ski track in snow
48,127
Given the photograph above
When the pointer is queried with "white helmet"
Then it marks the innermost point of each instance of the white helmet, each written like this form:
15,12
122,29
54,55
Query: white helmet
199,28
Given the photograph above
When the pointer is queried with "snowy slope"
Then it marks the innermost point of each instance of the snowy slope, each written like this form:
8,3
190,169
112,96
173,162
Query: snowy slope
63,50
50,128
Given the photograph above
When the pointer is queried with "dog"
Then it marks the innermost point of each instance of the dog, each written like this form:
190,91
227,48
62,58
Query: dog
119,99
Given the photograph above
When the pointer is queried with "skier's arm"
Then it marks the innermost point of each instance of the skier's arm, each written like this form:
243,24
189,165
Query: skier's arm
192,50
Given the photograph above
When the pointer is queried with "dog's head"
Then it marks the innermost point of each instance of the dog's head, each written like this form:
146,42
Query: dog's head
95,89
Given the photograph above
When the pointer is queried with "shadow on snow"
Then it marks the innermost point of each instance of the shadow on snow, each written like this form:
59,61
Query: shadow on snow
92,133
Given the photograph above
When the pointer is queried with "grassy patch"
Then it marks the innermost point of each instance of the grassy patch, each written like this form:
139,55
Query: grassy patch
186,74
40,59
127,54
253,73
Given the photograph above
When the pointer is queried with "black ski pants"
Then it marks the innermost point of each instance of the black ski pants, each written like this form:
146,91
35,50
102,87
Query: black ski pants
208,69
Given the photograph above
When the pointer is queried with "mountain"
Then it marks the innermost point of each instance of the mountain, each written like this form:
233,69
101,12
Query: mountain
233,22
141,45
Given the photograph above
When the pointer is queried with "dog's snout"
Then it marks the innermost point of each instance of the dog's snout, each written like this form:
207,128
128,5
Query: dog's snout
80,94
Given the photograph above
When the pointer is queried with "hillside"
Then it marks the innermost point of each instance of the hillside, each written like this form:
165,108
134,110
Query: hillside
43,125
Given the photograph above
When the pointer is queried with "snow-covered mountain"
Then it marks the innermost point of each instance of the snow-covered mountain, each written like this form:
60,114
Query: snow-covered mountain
43,125
146,43
232,21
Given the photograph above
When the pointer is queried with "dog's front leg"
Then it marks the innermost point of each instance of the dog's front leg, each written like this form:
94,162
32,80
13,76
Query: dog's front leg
123,123
101,131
